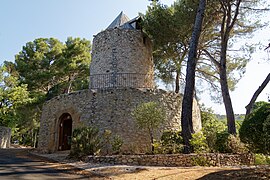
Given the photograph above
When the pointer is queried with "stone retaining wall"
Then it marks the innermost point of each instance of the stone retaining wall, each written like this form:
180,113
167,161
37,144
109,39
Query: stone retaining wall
182,160
5,136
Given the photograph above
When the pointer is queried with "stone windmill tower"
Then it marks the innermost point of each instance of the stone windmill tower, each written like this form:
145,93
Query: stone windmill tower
121,78
122,56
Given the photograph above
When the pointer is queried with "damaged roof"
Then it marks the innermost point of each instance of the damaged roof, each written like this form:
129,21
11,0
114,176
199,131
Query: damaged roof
123,22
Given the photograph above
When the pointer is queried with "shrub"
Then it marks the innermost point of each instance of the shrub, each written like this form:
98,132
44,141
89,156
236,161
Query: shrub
228,143
85,141
199,143
200,161
266,130
261,159
158,148
172,142
222,142
255,129
235,145
211,127
89,141
116,143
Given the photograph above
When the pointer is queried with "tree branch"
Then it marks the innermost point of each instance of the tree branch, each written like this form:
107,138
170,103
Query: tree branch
256,94
212,58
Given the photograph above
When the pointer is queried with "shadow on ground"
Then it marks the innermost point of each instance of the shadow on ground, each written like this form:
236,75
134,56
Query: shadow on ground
257,173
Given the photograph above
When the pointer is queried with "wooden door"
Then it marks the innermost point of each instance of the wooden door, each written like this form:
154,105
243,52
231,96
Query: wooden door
65,132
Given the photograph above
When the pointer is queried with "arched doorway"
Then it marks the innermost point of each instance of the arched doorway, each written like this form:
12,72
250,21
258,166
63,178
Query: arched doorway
65,132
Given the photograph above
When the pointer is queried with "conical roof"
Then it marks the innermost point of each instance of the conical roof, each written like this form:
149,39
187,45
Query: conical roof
120,20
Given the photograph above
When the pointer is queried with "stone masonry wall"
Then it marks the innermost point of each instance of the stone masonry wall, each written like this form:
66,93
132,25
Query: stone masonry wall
5,136
121,58
110,109
182,160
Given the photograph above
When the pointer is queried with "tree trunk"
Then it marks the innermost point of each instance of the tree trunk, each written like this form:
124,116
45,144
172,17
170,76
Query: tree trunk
152,141
177,83
256,94
227,101
186,117
35,140
69,87
224,86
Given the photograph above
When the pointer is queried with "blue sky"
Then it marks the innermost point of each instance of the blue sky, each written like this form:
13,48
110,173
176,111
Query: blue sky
25,20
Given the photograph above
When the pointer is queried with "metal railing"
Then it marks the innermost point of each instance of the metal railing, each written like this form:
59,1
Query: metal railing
115,80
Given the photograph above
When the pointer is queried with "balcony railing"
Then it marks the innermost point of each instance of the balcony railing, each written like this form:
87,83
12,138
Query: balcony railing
116,80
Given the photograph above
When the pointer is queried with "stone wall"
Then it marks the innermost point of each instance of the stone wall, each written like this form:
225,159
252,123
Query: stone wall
111,109
5,137
121,58
182,160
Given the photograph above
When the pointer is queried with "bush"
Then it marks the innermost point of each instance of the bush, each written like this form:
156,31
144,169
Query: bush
255,129
211,126
266,130
261,159
85,141
199,143
200,161
172,142
235,145
116,143
89,141
221,142
228,143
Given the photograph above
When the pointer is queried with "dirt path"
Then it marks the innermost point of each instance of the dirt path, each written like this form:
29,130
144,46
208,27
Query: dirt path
107,171
18,163
189,173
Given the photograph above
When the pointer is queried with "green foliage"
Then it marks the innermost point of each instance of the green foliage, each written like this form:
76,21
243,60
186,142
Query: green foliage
89,141
85,141
199,143
170,137
211,126
158,148
258,105
116,143
43,69
149,116
261,159
255,129
171,142
170,29
73,67
235,145
111,142
266,131
221,144
36,63
218,140
200,161
228,143
12,97
49,66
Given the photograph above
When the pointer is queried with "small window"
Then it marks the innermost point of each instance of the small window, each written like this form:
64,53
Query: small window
144,40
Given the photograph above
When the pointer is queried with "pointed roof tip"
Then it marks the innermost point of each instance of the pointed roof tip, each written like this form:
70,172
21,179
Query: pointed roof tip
120,20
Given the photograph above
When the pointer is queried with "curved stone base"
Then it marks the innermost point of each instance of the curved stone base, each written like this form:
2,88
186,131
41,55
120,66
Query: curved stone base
111,109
